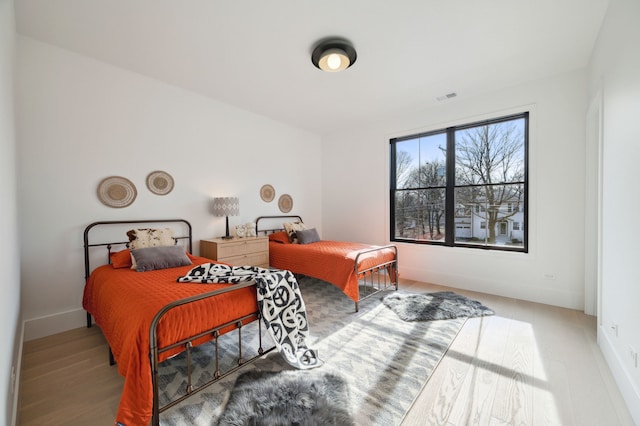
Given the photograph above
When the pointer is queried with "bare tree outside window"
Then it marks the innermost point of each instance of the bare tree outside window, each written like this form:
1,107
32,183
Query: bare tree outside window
421,174
482,203
490,173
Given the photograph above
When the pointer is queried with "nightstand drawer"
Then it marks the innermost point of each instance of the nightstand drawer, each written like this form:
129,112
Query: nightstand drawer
252,259
236,248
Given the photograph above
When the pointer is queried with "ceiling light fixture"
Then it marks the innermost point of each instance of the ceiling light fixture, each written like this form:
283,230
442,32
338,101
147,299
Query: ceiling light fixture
333,55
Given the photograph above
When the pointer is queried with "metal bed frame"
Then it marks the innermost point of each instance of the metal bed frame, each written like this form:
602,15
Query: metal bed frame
371,281
214,331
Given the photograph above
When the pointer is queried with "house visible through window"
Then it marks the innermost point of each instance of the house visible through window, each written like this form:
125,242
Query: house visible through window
462,186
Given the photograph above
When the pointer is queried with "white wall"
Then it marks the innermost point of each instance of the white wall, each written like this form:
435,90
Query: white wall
10,321
615,73
80,120
356,185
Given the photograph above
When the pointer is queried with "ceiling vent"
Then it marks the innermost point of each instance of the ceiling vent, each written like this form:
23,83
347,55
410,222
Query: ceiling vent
447,96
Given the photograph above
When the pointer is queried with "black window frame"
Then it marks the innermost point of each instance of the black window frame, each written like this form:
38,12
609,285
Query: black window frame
451,186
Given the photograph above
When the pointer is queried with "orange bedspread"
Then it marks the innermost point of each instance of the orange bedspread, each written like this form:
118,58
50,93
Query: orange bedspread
331,261
123,303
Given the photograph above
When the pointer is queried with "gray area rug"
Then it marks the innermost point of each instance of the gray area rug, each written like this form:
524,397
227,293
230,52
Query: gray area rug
439,305
301,397
384,361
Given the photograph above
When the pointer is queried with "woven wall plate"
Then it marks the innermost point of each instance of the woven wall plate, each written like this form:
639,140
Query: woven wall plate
267,193
159,182
116,191
285,203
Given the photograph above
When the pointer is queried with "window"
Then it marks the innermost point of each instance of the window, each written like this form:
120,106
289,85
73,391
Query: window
462,186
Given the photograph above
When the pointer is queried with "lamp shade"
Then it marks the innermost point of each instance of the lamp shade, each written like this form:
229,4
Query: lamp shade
226,206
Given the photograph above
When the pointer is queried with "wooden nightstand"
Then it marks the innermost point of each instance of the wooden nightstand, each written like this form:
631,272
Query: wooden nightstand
252,251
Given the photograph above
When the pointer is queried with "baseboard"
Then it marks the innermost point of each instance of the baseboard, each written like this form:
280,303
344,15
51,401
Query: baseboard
16,384
530,293
52,324
629,391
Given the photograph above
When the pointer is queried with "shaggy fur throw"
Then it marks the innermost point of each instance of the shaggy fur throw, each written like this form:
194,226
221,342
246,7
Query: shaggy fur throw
434,306
289,397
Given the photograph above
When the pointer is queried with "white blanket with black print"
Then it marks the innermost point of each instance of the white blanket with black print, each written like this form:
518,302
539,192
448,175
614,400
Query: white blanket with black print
279,301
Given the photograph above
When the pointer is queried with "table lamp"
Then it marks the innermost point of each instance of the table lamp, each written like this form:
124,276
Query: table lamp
226,206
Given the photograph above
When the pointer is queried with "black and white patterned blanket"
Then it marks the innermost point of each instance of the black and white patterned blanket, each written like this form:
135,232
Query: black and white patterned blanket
279,301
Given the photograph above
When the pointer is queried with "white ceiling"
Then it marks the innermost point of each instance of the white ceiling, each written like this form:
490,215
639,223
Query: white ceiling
255,54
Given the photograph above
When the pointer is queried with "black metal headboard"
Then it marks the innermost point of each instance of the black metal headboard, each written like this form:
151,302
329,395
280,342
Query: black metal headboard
270,220
114,223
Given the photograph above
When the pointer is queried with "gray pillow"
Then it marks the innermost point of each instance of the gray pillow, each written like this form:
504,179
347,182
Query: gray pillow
306,236
152,258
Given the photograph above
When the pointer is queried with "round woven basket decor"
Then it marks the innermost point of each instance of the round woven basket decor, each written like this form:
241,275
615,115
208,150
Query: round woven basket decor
285,203
267,193
116,191
159,182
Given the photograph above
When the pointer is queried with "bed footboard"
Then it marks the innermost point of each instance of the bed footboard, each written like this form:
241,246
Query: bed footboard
155,351
380,277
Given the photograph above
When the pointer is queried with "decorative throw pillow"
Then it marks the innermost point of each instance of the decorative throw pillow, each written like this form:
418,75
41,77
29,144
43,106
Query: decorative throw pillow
306,236
153,258
120,259
280,237
292,228
149,237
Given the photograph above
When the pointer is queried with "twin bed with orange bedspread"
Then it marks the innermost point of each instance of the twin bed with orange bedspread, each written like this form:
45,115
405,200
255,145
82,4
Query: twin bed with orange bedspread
359,270
148,317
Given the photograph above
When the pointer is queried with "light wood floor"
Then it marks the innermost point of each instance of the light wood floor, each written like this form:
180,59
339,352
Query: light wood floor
530,364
